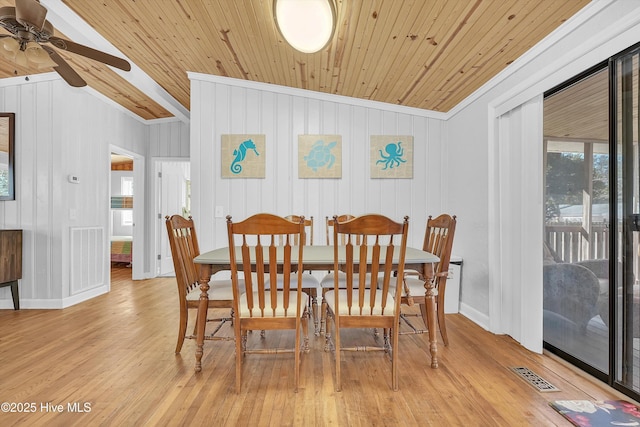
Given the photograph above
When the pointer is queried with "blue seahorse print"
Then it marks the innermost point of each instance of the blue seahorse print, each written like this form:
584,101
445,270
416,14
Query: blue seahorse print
240,153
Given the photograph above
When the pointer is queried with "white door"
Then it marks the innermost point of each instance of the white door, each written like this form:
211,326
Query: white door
173,189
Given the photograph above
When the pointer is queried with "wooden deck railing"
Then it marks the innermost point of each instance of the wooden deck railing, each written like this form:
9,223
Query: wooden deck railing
572,243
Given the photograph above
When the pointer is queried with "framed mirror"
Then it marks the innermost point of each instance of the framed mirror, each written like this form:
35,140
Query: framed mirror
7,156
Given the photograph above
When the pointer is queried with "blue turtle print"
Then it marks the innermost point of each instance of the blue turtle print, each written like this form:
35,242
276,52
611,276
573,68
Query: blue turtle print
320,155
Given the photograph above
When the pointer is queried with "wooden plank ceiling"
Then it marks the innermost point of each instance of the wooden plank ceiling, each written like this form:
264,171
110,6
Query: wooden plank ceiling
428,54
120,162
580,111
4,135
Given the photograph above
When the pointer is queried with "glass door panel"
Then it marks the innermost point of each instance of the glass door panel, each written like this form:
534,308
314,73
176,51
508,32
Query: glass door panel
626,302
577,222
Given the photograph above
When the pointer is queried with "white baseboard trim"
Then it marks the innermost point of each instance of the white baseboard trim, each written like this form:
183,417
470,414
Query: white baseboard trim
54,304
474,315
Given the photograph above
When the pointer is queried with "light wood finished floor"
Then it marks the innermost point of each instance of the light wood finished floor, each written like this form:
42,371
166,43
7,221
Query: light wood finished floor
115,353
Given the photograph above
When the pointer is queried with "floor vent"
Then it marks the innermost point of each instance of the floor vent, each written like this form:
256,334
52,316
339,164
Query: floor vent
534,379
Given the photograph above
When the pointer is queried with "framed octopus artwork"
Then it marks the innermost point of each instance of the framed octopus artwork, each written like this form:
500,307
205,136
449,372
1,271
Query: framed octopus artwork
319,156
391,156
243,156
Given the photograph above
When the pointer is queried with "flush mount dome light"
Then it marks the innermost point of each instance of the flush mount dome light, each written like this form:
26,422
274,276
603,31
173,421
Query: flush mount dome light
307,25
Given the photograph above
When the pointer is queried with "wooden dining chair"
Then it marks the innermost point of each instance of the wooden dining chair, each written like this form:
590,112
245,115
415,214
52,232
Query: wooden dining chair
327,282
361,304
184,248
262,307
310,283
438,240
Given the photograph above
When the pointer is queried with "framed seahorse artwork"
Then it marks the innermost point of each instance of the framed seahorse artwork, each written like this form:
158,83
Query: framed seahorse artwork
243,156
391,156
319,156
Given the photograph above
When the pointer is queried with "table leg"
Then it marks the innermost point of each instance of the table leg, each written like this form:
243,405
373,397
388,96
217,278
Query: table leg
205,275
433,324
430,305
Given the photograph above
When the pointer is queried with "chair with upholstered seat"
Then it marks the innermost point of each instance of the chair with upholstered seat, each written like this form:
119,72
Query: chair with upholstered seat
262,307
363,304
438,240
184,248
310,283
327,282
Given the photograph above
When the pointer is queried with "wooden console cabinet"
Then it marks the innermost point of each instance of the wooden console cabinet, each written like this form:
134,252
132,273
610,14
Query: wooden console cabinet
11,262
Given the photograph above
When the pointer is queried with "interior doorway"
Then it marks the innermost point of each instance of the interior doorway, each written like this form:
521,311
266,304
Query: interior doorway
126,214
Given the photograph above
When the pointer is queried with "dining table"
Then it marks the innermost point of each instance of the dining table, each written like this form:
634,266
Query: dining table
315,257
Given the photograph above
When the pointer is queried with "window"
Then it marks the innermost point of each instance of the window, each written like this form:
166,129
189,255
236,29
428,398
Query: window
126,185
126,217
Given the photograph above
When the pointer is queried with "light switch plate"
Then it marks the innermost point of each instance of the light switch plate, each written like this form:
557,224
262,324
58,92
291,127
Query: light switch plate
219,212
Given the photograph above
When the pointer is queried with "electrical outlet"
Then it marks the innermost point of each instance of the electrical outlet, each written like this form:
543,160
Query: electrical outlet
219,212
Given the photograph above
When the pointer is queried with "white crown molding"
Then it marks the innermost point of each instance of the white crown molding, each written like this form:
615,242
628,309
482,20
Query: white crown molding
321,96
25,80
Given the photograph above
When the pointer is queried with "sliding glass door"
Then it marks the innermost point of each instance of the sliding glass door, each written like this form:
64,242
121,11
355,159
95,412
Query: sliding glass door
577,221
592,222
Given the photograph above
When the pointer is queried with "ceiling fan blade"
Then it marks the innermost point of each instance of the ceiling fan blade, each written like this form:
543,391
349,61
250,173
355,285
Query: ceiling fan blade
90,53
64,69
8,19
30,12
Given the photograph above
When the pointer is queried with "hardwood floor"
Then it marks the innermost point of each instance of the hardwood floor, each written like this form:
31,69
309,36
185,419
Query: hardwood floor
115,353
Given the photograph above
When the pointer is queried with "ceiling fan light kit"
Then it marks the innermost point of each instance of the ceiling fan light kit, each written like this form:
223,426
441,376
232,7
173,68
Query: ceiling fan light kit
11,46
38,56
29,33
307,25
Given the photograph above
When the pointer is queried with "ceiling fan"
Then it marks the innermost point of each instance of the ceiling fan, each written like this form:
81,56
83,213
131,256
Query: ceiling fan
30,31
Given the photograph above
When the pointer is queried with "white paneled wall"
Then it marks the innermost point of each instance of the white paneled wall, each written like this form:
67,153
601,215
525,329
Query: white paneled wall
168,138
520,213
222,107
61,131
87,252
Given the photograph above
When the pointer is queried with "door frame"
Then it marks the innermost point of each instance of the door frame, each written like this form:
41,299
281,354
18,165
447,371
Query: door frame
159,228
621,230
138,253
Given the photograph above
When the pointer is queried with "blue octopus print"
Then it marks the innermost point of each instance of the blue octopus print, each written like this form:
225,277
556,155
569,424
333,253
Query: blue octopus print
320,155
240,153
394,158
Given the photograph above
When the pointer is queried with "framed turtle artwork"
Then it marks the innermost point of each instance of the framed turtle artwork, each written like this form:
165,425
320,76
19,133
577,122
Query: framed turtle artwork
391,156
243,156
319,156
